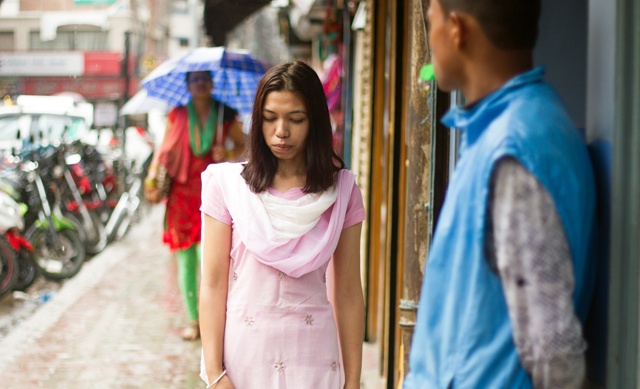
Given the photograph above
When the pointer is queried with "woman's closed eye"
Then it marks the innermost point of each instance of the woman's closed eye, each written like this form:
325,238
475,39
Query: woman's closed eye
295,120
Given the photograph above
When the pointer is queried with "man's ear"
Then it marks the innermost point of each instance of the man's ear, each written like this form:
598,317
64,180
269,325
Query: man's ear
459,31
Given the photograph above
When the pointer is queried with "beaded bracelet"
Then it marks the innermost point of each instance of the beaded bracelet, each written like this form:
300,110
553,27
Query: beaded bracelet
224,372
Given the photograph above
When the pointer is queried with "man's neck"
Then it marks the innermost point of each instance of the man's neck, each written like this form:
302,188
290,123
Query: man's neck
489,75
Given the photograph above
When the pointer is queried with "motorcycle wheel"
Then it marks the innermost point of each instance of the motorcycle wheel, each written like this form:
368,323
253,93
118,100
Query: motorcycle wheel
96,235
9,268
28,272
79,227
54,264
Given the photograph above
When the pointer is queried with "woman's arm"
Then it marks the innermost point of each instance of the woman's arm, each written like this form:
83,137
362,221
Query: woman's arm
349,303
219,152
216,246
152,192
238,138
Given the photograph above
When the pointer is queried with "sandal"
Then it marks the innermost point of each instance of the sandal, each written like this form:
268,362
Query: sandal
192,332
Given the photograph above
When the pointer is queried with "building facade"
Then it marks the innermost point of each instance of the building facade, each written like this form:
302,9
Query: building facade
97,48
403,158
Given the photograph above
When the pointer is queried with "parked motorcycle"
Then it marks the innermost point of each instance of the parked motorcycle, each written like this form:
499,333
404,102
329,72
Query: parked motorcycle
74,184
59,251
8,267
11,227
100,195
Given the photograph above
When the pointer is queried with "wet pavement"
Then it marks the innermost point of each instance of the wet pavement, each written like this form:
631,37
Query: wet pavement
116,324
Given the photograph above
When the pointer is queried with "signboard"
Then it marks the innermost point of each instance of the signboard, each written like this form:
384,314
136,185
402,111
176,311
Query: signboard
93,2
89,87
70,63
102,63
42,64
105,114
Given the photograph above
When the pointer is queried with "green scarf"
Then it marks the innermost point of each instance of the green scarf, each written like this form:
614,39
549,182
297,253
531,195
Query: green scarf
206,136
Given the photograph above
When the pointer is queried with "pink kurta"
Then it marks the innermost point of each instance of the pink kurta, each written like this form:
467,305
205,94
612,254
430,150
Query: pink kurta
280,329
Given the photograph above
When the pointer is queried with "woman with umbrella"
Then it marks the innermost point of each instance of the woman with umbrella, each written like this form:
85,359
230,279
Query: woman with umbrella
191,142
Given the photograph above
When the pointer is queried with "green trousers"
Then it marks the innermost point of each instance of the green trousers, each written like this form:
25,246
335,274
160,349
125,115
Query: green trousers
188,261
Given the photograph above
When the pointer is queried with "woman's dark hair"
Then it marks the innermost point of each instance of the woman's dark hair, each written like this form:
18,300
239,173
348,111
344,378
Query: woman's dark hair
322,161
509,24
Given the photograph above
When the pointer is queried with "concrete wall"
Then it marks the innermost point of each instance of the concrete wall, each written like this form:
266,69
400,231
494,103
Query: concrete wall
562,48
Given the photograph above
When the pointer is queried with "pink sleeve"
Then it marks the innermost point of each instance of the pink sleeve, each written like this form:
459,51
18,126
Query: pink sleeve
355,208
213,203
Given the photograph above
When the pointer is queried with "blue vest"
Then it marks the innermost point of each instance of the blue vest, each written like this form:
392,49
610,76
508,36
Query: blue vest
463,336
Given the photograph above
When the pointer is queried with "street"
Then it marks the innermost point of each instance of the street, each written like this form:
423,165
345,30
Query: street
116,324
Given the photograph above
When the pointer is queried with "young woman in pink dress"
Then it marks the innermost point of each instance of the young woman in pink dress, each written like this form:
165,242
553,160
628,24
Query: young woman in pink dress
270,229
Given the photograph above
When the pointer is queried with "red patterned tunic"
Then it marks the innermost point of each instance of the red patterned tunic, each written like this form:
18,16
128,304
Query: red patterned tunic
183,219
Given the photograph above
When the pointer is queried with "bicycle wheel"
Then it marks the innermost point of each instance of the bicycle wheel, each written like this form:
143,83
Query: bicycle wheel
9,267
57,264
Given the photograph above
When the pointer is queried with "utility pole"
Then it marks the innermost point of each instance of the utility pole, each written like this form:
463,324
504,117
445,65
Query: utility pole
127,54
120,132
195,25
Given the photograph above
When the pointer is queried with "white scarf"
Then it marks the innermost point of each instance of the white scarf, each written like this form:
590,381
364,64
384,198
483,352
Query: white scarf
294,218
289,235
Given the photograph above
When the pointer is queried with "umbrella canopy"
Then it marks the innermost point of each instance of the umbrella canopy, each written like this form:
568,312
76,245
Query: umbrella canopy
235,74
141,103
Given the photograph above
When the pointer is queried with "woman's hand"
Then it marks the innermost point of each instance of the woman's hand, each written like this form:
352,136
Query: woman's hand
153,196
218,153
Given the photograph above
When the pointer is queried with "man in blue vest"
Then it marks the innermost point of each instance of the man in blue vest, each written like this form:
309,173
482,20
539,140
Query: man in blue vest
508,278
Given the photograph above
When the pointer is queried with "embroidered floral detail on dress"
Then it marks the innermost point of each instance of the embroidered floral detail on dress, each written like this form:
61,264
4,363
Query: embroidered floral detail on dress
235,276
248,320
279,366
308,319
334,366
282,276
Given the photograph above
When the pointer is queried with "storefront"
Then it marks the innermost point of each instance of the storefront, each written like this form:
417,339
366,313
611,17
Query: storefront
403,158
94,75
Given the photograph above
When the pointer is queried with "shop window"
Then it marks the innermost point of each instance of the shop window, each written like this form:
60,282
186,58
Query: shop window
6,40
83,40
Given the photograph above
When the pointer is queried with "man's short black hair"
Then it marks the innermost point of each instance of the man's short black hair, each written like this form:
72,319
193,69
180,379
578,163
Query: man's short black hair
509,24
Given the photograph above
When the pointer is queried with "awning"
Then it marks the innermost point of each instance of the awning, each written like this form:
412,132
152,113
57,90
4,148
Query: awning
221,16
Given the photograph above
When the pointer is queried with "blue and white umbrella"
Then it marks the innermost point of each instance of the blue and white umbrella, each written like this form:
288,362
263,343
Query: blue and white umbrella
235,74
141,103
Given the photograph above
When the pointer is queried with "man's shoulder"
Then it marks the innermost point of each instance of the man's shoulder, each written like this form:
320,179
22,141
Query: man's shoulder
535,110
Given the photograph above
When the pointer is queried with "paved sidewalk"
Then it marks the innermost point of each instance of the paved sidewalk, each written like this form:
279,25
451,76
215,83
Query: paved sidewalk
115,325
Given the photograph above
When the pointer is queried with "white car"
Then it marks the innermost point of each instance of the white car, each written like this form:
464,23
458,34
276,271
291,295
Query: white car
43,120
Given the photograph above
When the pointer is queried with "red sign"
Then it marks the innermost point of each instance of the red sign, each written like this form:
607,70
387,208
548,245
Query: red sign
102,63
89,87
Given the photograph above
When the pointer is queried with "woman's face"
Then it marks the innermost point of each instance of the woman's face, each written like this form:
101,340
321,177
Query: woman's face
285,125
199,84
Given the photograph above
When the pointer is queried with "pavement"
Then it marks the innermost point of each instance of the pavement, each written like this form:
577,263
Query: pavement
116,324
